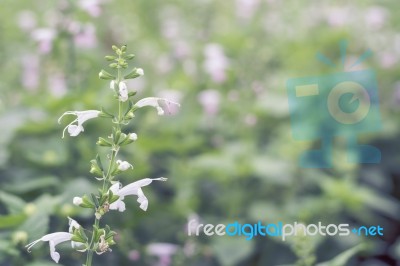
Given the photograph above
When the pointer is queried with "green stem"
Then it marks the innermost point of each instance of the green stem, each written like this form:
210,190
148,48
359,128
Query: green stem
89,257
114,153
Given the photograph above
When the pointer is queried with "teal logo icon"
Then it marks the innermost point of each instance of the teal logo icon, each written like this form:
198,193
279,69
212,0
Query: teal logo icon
343,104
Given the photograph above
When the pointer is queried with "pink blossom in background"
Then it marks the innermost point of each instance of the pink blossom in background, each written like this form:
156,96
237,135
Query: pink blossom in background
164,252
210,101
387,59
92,7
215,63
171,28
181,49
26,20
134,255
245,9
30,72
44,37
250,120
375,17
57,84
338,16
189,249
86,36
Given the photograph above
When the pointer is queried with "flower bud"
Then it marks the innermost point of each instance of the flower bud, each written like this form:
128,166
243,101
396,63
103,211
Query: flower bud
110,57
123,165
136,72
129,56
105,75
133,136
77,201
115,48
103,142
113,65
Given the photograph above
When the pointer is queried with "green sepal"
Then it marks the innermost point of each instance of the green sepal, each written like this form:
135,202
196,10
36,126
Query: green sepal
79,235
110,57
87,203
133,74
105,114
95,168
129,56
103,142
95,200
116,134
98,161
105,75
112,198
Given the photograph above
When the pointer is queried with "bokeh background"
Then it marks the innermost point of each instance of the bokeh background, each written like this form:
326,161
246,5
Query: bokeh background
229,154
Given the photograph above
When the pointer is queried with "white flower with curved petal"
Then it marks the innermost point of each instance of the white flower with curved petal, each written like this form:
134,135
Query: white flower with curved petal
81,117
123,165
162,105
54,239
134,188
123,92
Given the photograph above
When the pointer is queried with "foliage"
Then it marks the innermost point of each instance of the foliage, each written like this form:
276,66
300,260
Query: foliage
229,153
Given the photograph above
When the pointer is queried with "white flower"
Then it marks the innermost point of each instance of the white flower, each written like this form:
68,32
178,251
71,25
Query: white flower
123,92
134,188
162,105
77,201
140,71
54,239
81,117
133,136
123,165
112,84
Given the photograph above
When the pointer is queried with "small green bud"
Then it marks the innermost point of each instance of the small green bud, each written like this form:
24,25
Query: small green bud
129,115
115,48
95,168
123,48
83,202
103,142
110,57
129,56
105,75
118,52
113,65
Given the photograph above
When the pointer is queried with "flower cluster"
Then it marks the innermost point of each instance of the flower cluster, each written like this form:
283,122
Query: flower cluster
112,194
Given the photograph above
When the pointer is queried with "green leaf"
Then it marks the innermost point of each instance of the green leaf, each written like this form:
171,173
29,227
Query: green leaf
33,184
231,250
10,221
13,203
36,226
344,257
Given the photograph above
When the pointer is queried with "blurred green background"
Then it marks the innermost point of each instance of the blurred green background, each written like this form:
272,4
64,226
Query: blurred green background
229,153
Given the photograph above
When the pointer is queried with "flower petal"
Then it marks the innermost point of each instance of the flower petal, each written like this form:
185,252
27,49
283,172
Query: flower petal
162,105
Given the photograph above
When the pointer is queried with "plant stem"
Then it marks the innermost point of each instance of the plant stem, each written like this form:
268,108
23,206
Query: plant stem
90,250
114,153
